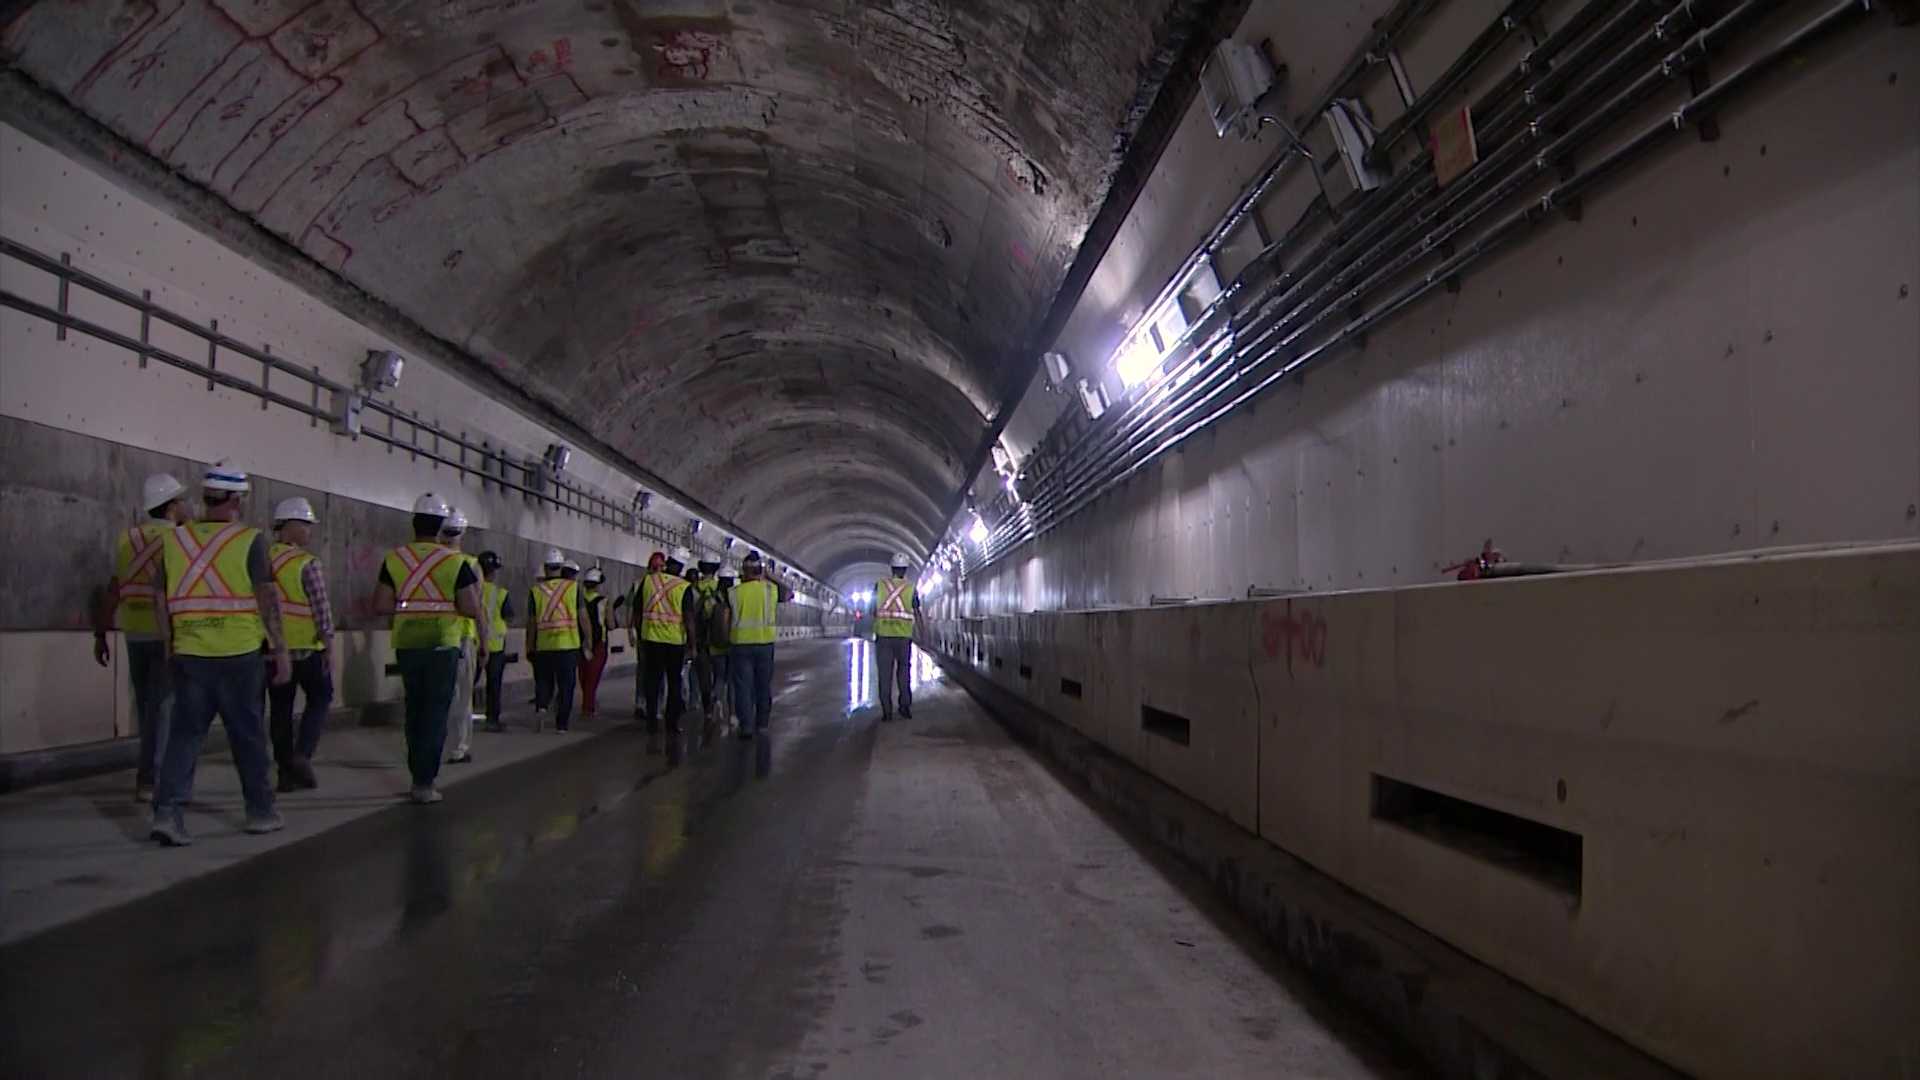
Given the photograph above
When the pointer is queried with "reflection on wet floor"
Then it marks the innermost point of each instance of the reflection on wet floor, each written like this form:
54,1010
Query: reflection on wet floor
863,675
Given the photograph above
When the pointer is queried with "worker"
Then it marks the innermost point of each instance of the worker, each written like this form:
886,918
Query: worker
496,606
664,604
453,534
705,580
752,606
428,588
557,627
219,607
717,636
594,650
128,601
894,608
300,583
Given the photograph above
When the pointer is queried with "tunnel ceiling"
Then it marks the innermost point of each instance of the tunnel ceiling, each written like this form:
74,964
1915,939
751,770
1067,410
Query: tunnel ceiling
783,254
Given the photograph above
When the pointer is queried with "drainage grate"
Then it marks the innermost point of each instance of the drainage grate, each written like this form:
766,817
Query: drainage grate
1548,855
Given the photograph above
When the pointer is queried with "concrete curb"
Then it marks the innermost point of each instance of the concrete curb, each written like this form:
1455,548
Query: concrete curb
1461,1017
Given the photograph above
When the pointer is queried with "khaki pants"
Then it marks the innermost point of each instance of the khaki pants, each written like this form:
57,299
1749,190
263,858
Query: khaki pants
460,717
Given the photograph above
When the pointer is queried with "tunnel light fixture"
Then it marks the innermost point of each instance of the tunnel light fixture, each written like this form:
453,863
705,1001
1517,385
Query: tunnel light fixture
1137,359
726,543
557,457
978,531
693,526
380,371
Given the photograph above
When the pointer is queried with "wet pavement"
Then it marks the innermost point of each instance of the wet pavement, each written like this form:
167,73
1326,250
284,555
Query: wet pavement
840,900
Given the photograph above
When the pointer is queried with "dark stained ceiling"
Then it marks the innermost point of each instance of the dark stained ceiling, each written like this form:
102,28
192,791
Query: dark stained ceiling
789,256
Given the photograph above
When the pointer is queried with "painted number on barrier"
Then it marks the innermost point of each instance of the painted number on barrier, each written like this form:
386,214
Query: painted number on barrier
1302,634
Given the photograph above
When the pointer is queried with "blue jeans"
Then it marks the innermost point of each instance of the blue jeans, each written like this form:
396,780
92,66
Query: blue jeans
752,685
427,675
204,686
312,676
152,698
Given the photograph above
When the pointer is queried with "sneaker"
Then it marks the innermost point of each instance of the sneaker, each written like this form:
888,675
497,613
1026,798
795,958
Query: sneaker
494,728
424,796
170,831
143,793
287,782
886,718
746,735
460,759
271,822
906,713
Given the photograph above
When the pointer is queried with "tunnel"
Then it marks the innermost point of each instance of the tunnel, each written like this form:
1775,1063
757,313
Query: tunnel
1009,538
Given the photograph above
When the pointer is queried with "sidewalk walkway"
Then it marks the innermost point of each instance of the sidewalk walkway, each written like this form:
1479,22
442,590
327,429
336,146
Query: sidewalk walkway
72,849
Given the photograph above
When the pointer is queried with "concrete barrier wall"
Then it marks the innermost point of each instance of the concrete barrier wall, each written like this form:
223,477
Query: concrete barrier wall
1681,799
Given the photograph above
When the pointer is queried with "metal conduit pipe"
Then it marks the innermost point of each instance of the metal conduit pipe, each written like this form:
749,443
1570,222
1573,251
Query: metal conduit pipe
1404,196
1522,220
1483,45
1415,178
1319,307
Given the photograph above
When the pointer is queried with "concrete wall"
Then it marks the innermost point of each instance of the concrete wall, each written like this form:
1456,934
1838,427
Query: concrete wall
1723,354
1733,743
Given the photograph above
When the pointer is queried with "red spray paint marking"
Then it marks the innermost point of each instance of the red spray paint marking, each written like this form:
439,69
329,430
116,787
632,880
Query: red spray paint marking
1304,635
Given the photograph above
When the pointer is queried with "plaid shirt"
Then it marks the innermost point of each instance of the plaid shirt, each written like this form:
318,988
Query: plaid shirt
315,582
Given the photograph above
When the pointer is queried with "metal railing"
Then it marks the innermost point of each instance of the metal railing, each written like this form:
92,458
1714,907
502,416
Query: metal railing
311,394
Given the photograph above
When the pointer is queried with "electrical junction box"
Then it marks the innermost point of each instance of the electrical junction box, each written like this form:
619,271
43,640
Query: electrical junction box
1346,134
1233,80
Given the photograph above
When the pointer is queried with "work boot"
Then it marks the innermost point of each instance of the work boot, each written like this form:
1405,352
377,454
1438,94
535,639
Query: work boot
143,793
906,713
465,758
886,718
303,773
269,822
287,781
170,830
424,796
494,726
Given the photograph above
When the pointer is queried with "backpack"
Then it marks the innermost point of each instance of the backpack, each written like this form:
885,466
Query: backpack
713,624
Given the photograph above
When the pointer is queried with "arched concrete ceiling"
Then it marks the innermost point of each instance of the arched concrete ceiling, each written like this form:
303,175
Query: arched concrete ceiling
784,254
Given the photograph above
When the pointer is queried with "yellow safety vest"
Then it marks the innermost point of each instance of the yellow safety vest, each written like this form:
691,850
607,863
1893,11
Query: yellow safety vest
493,601
556,606
139,565
296,611
709,590
661,598
469,631
893,607
209,591
753,604
425,615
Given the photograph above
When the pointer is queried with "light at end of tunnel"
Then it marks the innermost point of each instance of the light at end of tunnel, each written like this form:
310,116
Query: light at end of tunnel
978,533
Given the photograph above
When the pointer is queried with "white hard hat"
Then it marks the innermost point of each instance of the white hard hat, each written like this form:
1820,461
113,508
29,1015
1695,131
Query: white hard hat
901,559
554,558
294,509
595,575
569,564
159,490
431,505
682,556
456,521
224,477
729,570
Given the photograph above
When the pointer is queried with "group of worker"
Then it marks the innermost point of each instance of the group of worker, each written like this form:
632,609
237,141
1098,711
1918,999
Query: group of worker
211,610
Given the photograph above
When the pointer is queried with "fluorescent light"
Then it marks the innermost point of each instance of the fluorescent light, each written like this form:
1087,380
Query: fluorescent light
978,533
1136,360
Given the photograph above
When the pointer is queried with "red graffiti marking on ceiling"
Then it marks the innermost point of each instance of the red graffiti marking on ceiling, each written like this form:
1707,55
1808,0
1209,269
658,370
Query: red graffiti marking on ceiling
686,54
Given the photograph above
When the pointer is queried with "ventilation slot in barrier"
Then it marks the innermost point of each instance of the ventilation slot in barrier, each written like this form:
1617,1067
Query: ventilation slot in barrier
1548,855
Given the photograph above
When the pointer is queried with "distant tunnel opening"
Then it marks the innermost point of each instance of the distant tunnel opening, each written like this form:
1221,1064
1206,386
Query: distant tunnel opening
1542,852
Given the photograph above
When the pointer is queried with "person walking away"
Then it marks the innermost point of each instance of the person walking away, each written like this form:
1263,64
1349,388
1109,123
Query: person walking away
664,606
460,715
128,601
594,650
894,608
543,681
496,607
716,633
219,606
428,588
753,604
656,563
705,581
557,625
300,584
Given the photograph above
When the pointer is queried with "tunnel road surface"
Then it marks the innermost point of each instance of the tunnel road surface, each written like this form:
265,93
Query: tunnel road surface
844,899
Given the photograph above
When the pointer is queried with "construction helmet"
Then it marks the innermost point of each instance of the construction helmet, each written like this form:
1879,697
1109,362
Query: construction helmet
752,556
456,521
682,556
489,560
595,575
569,564
554,558
159,490
294,509
900,561
224,477
431,505
729,571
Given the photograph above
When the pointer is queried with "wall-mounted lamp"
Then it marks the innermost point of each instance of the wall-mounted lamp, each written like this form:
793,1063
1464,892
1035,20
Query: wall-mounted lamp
693,526
557,457
642,499
380,371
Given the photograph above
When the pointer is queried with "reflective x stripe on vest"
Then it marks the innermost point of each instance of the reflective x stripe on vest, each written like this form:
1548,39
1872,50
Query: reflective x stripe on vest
753,604
138,564
661,598
493,602
210,599
425,615
296,611
558,602
893,616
